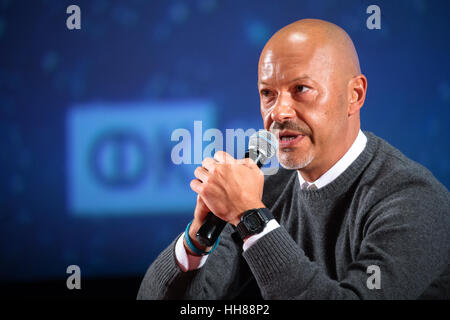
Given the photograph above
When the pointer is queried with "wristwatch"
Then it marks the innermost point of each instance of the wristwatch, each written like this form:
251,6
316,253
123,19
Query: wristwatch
253,221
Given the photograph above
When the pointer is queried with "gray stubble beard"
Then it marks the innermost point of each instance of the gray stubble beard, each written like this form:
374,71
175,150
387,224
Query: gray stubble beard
285,162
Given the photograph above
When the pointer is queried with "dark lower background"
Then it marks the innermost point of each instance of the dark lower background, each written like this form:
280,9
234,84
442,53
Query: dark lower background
98,288
86,118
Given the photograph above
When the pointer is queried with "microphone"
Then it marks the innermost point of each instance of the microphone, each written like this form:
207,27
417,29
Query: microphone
262,146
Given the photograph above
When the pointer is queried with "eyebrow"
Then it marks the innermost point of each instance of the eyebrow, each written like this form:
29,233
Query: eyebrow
303,77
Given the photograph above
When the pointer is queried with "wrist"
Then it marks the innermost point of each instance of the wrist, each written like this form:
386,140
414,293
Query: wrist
188,250
253,222
192,235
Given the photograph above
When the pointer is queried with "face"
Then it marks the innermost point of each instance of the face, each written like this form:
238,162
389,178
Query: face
302,102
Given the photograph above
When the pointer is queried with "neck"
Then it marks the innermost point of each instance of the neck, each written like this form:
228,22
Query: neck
314,171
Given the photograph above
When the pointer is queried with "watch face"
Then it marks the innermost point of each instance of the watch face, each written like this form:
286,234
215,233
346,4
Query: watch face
252,222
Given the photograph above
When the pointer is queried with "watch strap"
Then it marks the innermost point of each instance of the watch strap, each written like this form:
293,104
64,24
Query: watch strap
264,214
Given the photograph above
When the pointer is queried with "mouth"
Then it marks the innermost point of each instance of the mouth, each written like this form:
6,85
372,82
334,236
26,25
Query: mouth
287,138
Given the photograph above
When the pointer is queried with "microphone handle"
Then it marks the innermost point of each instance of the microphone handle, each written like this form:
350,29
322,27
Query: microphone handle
210,230
212,227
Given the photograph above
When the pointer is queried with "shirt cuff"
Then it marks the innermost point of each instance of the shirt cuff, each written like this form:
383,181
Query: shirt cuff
186,261
271,225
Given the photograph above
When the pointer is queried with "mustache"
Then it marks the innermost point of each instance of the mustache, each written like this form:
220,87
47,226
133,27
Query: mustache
291,125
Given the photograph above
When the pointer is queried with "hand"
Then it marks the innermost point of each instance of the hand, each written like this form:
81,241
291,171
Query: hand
229,187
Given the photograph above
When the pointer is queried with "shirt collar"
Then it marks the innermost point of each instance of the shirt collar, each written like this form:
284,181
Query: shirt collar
347,159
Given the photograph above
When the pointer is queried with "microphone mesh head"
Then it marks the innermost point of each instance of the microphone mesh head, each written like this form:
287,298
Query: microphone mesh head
263,142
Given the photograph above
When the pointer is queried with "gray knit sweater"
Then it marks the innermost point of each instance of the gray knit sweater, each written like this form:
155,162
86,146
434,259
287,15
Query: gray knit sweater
384,210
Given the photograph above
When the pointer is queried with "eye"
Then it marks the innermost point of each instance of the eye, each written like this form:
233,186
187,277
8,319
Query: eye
301,89
265,92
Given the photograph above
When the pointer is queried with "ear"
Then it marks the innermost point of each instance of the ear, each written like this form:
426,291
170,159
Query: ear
357,87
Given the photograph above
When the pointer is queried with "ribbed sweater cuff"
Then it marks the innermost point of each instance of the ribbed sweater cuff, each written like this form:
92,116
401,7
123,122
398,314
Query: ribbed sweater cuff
166,268
275,256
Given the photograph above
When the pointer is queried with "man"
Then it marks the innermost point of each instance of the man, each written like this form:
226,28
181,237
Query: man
346,204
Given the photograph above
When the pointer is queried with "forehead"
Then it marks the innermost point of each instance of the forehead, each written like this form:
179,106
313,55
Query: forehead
285,63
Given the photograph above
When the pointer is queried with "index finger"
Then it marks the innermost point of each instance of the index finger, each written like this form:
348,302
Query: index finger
223,157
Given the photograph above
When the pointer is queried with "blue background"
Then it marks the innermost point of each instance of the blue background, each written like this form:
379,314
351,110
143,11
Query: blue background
172,59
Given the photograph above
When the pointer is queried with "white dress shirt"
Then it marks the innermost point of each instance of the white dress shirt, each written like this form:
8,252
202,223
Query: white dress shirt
189,262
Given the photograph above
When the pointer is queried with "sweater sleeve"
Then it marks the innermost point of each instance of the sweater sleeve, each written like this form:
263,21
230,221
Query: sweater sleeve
405,234
164,278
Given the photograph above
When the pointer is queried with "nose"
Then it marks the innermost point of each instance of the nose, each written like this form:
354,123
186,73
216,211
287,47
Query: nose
283,109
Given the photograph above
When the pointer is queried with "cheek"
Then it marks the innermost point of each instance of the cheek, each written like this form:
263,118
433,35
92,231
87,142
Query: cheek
317,111
329,115
321,115
265,114
318,122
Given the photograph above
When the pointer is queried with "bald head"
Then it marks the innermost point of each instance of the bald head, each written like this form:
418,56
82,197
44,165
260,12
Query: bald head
311,90
314,34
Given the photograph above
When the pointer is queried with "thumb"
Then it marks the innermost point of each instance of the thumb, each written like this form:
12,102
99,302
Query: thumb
201,209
